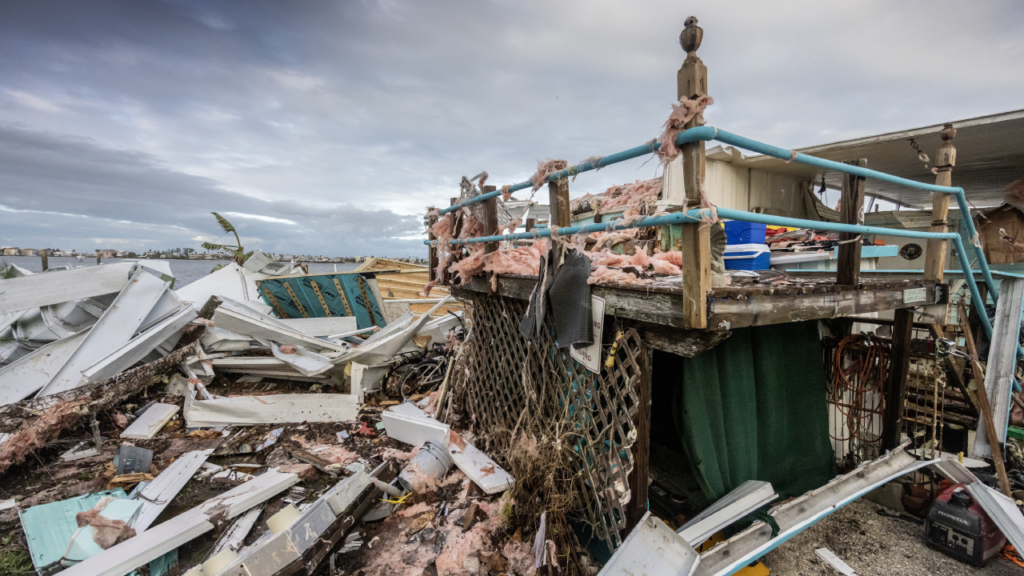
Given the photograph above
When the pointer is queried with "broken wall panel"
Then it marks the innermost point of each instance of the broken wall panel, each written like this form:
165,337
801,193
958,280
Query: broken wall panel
270,409
1002,362
38,290
325,295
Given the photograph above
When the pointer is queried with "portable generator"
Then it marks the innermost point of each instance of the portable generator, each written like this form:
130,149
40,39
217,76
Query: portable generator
957,526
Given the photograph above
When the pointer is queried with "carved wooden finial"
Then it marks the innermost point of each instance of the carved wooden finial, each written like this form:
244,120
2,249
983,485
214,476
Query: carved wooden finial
948,132
691,35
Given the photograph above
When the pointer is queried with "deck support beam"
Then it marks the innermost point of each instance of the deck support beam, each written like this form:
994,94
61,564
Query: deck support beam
851,211
896,393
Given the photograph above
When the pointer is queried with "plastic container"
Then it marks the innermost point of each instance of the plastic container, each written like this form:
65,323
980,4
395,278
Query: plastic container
737,232
747,257
431,462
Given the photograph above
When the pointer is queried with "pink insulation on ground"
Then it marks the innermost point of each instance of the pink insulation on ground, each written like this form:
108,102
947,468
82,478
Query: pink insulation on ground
398,454
334,454
681,113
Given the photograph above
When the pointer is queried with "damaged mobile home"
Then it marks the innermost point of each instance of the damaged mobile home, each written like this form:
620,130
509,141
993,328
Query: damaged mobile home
675,376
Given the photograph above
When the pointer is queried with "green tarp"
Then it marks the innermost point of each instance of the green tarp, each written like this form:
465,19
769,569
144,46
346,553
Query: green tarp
752,408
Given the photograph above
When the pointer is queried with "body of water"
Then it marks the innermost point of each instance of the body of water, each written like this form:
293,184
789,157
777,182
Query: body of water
185,271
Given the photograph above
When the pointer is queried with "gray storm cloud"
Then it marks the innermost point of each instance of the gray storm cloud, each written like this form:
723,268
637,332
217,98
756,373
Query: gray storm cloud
133,120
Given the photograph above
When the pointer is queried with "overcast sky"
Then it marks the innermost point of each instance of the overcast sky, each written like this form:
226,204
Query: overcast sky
324,127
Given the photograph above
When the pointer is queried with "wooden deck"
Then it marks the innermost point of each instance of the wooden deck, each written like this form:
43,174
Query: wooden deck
739,307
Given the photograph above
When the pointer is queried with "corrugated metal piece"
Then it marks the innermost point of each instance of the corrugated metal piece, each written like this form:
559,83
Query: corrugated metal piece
1002,511
746,498
652,549
22,378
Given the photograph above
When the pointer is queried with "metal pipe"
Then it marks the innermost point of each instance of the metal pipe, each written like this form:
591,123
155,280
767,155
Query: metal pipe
711,133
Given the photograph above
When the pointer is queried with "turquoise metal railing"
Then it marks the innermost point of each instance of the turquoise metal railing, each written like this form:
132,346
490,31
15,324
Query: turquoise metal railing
708,133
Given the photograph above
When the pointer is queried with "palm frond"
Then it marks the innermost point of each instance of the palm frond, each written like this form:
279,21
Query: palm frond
224,224
211,246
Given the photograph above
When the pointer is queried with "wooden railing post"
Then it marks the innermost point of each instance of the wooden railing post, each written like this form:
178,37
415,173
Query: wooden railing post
896,393
558,197
432,250
45,260
692,82
851,211
945,159
490,218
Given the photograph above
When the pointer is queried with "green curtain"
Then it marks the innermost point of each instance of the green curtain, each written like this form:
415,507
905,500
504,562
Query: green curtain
753,408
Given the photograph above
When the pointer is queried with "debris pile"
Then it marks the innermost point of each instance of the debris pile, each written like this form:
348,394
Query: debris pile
196,431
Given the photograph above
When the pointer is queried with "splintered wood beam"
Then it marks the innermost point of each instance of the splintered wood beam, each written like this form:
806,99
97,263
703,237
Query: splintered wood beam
432,250
851,212
896,393
490,218
696,250
558,198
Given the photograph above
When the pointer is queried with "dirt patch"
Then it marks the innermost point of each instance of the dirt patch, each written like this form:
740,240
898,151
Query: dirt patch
872,545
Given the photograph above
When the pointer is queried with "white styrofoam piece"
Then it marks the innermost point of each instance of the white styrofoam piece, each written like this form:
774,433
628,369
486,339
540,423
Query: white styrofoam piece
320,327
26,375
37,290
746,498
271,409
162,490
479,467
414,430
835,562
1002,510
652,549
122,558
138,347
151,421
306,362
116,327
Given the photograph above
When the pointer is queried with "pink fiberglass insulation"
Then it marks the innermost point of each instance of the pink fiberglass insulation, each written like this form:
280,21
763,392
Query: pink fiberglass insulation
675,256
544,167
605,274
636,195
521,260
682,113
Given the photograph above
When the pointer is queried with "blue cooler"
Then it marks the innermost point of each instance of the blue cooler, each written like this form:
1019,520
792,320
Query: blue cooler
747,256
737,232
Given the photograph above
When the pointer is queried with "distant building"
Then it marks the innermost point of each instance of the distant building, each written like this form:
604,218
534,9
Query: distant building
122,253
12,251
29,252
108,253
195,256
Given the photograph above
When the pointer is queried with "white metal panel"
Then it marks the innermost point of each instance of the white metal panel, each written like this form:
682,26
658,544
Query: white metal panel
322,326
122,558
116,327
272,409
306,362
652,549
776,194
1002,510
53,288
414,430
137,348
727,185
151,421
480,468
1002,361
22,378
159,493
237,318
746,498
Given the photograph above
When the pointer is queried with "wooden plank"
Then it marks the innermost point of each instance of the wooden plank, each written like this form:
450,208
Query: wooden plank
151,421
1002,361
945,159
490,218
851,212
896,393
685,343
38,290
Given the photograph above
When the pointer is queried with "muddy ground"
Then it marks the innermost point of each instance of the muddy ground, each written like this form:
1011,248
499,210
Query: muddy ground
872,545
